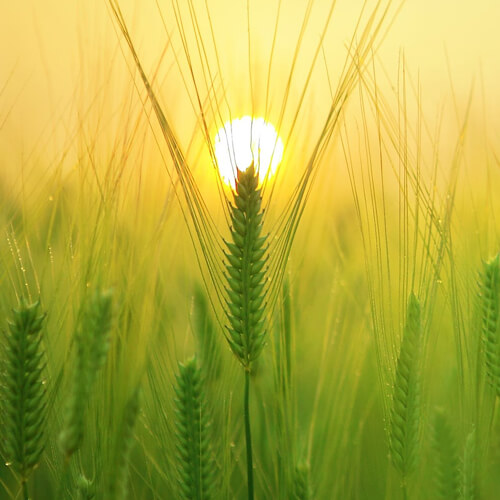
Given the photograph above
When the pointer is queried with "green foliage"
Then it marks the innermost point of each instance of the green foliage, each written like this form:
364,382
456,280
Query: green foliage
246,275
23,394
195,462
92,340
406,411
447,464
489,299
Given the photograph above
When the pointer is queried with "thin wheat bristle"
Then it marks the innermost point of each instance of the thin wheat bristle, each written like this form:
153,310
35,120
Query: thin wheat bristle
405,414
196,465
489,299
92,339
24,400
246,275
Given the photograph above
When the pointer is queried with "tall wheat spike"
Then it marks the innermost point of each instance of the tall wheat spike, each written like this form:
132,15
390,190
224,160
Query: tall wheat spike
489,300
196,464
245,271
23,395
246,278
405,414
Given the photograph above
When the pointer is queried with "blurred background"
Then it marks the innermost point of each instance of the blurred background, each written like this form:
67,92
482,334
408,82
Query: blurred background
404,199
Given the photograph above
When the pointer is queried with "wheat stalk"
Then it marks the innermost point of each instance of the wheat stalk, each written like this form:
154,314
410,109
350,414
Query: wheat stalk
117,488
196,466
205,330
92,340
245,271
469,467
24,398
447,471
405,414
489,300
246,291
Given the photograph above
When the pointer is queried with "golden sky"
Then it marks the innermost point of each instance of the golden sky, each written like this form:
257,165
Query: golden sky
54,54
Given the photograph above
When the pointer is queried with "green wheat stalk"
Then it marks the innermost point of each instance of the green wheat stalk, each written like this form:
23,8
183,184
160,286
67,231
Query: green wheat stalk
117,488
92,340
196,465
489,300
205,330
24,400
447,464
468,487
405,414
246,291
245,271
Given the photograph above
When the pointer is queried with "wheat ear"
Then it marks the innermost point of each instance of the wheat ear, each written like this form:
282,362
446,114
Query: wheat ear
489,299
447,464
245,270
196,465
405,414
91,344
246,277
24,399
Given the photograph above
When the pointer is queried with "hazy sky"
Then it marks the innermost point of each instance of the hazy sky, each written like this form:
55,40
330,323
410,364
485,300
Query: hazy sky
48,49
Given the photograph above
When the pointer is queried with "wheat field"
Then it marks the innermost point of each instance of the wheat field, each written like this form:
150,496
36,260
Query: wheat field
329,329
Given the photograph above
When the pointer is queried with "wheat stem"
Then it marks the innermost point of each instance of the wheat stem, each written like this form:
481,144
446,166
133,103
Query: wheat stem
124,441
248,436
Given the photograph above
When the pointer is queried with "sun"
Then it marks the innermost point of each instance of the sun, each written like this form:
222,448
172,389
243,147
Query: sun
243,141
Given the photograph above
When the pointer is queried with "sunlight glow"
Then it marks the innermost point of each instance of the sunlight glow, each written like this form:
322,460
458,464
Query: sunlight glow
244,140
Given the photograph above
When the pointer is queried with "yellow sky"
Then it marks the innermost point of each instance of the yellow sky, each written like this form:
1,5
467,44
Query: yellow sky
55,53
